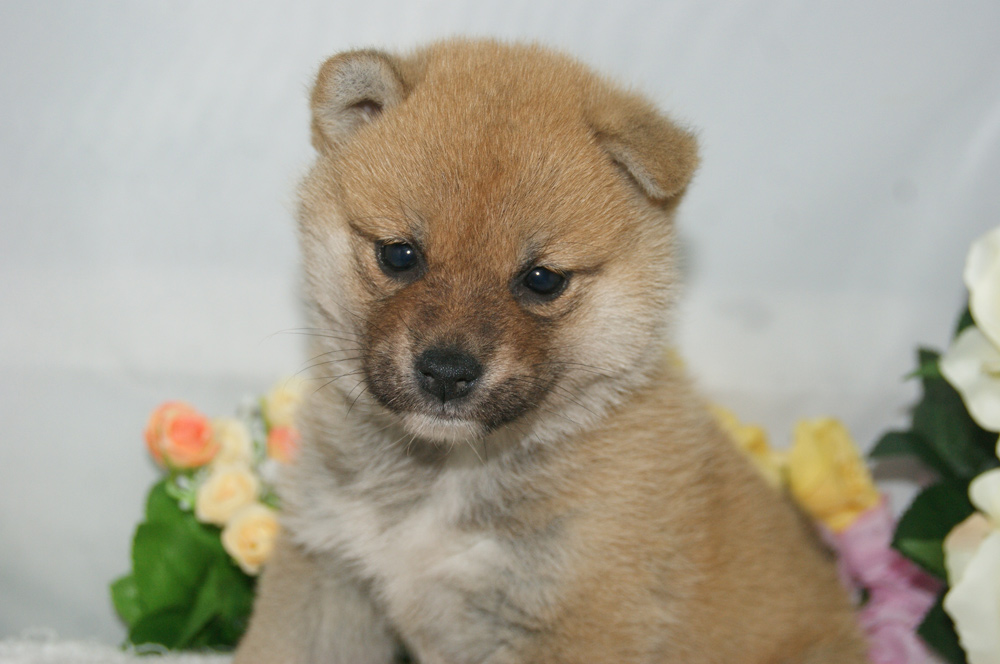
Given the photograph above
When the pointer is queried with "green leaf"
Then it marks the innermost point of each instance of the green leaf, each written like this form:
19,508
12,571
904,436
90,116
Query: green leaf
207,605
938,631
125,597
964,321
162,627
942,421
928,553
160,506
931,516
908,443
927,369
167,566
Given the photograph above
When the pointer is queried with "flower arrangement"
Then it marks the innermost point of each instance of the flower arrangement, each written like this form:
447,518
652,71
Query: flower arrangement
210,522
824,473
951,528
932,579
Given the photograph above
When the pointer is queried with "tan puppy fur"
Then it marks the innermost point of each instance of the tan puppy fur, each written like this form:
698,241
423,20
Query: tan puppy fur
500,465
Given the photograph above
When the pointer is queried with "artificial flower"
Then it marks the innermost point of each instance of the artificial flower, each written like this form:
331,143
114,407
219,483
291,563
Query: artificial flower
972,366
282,402
899,592
972,557
233,437
283,444
982,278
180,437
752,440
827,476
225,491
250,535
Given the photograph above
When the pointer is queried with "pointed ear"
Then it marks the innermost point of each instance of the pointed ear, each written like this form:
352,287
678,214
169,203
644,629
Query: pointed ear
658,155
353,89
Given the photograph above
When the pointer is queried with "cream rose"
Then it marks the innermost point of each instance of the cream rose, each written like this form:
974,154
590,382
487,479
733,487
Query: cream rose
249,537
282,402
225,491
233,438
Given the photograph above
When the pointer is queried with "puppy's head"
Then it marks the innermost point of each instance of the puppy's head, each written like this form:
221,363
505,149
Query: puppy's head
487,236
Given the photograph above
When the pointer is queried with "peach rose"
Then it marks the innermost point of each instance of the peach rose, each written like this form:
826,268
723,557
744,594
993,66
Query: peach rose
283,444
180,437
249,537
224,492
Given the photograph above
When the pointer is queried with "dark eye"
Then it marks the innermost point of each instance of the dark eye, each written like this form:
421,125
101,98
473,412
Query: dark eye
398,257
544,282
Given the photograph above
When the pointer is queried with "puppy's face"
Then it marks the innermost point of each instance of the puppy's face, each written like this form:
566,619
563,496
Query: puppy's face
486,244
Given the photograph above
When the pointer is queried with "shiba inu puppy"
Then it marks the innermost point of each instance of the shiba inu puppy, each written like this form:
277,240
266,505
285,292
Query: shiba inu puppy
502,465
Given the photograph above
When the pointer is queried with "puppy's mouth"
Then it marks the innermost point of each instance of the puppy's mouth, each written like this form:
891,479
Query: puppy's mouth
448,394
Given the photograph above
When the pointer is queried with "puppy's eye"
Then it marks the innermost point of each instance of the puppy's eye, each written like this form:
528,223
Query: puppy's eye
396,257
544,282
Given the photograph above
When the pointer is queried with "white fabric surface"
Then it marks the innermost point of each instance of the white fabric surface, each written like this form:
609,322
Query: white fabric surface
50,650
148,158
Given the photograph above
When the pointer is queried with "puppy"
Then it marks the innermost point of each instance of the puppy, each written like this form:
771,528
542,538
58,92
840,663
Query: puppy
501,464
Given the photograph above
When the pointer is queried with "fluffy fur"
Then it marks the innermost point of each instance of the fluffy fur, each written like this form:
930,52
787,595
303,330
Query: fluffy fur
579,504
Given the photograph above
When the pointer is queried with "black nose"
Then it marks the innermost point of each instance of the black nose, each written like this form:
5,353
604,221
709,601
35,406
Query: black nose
447,373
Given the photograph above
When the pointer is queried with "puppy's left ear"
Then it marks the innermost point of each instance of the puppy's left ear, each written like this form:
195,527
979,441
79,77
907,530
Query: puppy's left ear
658,155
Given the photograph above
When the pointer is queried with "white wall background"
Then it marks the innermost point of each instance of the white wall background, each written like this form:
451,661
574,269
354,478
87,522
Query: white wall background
149,153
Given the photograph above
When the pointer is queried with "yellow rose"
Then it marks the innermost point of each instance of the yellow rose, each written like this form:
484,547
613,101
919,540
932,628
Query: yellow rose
226,490
234,442
827,475
249,537
282,402
752,440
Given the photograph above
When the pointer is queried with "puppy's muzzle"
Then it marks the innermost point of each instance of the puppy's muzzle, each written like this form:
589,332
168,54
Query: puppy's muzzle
447,373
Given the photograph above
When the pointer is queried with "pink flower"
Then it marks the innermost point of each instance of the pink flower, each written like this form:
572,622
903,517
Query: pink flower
900,593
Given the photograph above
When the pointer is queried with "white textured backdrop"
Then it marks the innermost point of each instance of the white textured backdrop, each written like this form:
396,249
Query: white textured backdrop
148,159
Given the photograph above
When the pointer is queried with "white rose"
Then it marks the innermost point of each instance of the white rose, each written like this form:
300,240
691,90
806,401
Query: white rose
982,278
249,537
972,557
226,490
235,444
972,366
282,402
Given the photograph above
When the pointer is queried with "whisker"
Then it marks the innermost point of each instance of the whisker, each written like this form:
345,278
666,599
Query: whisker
552,385
335,379
319,364
357,397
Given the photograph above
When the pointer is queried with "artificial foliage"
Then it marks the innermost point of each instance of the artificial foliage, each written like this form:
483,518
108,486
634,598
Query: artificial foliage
945,438
210,523
185,592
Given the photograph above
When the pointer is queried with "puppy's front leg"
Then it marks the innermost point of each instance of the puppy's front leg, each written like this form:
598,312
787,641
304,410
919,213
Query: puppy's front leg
310,611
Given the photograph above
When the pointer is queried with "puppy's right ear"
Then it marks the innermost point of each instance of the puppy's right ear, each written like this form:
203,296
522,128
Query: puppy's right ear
353,89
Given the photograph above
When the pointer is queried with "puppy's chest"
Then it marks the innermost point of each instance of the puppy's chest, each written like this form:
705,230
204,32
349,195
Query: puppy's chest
421,541
437,575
